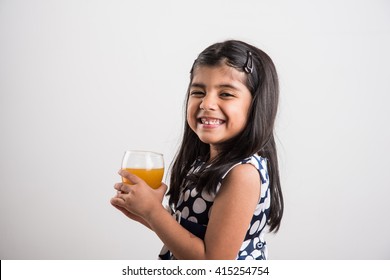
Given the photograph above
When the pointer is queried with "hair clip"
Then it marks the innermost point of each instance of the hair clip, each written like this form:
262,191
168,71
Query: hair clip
248,67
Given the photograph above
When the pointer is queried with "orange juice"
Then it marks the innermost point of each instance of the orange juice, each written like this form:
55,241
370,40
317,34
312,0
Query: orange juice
152,177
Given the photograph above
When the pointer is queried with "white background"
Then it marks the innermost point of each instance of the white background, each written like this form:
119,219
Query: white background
82,81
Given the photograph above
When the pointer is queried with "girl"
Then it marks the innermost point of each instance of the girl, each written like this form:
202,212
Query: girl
225,186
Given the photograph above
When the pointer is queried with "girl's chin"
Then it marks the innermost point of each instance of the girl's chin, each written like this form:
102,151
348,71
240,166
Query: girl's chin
209,141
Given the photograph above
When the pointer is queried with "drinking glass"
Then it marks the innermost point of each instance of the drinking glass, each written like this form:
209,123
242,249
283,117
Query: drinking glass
147,165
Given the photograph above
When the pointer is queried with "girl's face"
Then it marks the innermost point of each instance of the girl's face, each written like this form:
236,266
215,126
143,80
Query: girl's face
218,104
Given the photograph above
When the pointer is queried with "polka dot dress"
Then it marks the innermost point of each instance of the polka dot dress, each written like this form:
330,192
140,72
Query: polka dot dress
193,212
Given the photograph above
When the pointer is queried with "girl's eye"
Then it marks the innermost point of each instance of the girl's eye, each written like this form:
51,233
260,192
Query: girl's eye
197,93
226,94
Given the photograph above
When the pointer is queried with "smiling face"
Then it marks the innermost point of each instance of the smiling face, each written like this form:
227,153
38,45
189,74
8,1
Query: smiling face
218,104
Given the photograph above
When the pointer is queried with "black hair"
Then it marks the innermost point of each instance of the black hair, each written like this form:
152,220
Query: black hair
256,138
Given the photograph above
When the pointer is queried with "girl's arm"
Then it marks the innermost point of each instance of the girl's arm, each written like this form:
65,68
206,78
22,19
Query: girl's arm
230,217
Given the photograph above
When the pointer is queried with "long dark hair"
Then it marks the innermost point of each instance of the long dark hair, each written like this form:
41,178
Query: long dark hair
256,138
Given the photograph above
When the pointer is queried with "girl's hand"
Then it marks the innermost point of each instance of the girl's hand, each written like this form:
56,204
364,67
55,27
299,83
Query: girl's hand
129,214
138,201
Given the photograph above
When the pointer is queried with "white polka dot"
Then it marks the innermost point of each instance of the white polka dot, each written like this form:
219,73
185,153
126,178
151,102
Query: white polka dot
186,195
185,212
199,205
254,227
249,257
267,202
264,189
193,219
255,241
244,245
255,163
258,210
256,254
164,250
206,196
194,192
244,253
263,221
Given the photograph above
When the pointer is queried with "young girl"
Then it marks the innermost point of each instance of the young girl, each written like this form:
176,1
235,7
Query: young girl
224,187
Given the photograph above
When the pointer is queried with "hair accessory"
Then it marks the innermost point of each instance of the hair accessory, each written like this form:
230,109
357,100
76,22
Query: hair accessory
248,67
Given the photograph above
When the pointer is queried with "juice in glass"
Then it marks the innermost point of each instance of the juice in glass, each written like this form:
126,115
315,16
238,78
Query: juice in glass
152,177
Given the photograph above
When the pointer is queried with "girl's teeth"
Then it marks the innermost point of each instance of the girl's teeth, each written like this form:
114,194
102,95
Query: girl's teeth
211,121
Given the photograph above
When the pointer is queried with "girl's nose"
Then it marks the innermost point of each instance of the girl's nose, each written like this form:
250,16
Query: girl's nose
208,103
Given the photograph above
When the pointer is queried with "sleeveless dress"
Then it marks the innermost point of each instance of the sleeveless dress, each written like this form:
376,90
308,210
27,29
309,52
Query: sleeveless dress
193,211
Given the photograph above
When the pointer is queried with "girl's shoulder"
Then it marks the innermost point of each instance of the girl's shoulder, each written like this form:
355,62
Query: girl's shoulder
260,163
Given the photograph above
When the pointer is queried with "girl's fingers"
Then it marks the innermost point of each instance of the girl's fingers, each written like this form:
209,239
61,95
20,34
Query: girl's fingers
122,188
133,178
117,201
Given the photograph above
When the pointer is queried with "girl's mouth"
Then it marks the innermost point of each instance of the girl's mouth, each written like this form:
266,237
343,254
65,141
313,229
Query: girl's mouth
211,121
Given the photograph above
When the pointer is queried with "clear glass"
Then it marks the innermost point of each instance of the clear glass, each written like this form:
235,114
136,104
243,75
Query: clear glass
147,165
